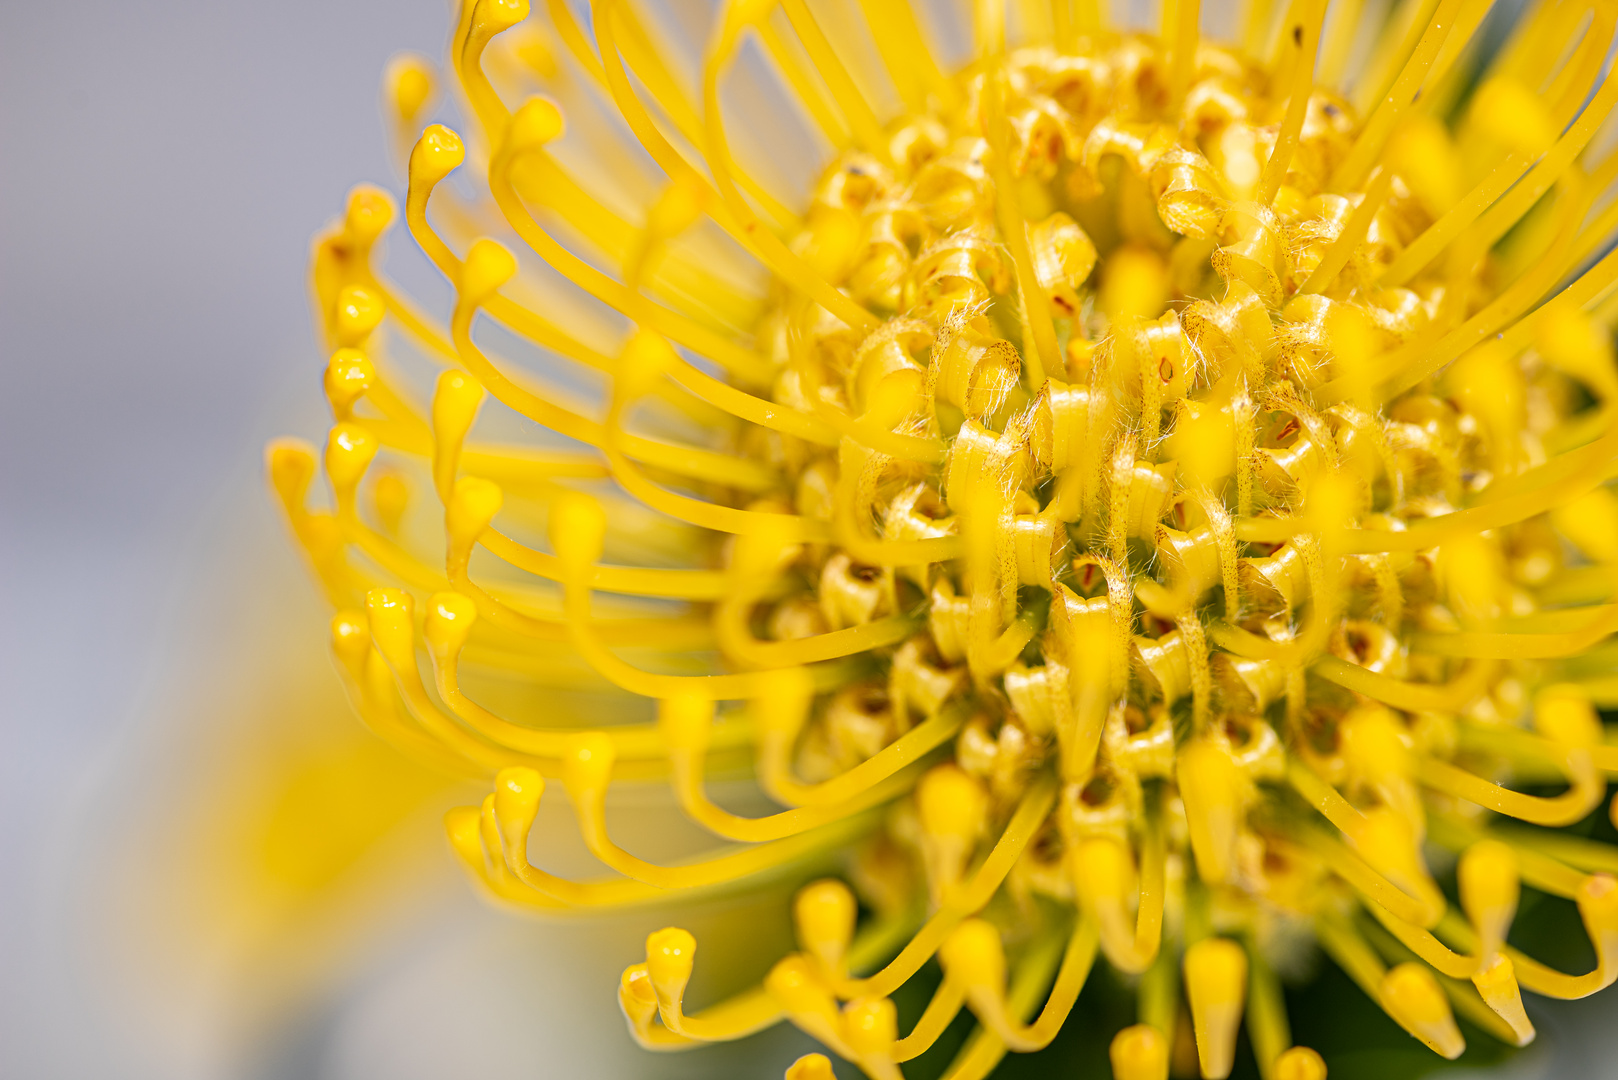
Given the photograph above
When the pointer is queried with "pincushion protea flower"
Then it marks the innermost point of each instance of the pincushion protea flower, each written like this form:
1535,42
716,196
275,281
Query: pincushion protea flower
1149,500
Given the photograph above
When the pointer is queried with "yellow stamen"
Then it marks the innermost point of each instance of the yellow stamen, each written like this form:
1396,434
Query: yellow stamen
934,466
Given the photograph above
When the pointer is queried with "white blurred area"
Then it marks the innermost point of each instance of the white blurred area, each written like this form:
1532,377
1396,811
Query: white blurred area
208,869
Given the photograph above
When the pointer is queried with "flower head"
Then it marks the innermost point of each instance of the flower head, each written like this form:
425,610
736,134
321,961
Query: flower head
1149,497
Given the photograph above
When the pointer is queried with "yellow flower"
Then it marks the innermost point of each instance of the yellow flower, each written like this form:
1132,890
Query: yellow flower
1148,496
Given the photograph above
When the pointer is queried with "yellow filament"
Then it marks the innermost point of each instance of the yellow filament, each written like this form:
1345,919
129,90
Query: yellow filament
1099,860
1399,97
483,21
385,603
1267,1026
984,1049
628,580
1591,855
751,1010
588,643
690,461
975,893
905,53
698,512
1415,1002
1158,999
1302,29
811,94
370,688
733,1019
1434,952
1511,500
1403,367
862,430
1353,824
739,644
615,293
676,164
1181,34
1538,868
686,752
1470,684
445,647
1039,355
913,745
856,110
1256,17
783,262
586,783
1376,191
1584,291
1340,35
510,827
1524,646
1371,884
988,27
1581,797
1425,1003
1506,173
567,28
942,1008
1550,170
1595,898
987,996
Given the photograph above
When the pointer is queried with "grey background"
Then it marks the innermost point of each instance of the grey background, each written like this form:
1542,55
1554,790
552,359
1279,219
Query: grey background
162,167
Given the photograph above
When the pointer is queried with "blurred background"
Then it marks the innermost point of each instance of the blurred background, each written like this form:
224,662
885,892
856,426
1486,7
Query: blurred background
208,869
